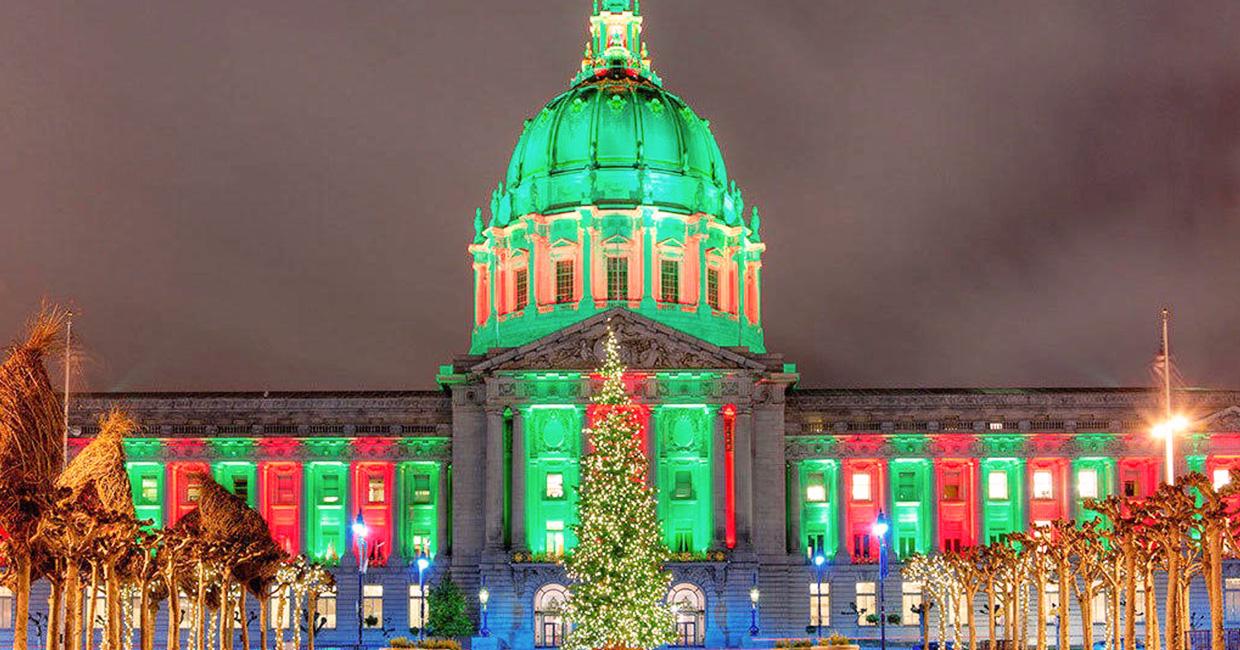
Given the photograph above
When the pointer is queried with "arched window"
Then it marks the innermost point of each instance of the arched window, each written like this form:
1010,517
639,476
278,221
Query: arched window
549,624
688,603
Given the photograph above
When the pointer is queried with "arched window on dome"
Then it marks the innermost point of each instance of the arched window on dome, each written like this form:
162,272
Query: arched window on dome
549,623
514,281
721,289
617,271
559,278
673,276
688,604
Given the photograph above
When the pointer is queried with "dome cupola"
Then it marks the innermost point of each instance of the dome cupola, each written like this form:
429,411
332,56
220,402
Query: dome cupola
617,195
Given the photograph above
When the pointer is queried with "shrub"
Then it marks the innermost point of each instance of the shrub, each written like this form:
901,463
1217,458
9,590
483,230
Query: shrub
447,617
402,642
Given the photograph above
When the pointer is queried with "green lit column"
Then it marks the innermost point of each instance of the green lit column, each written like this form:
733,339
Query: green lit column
718,481
518,455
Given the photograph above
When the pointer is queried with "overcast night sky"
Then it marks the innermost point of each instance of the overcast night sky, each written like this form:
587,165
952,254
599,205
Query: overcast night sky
277,194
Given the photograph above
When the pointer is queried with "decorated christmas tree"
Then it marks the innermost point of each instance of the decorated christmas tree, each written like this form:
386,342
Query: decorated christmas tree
619,584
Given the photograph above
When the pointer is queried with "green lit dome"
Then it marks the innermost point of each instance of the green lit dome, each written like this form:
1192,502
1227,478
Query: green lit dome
617,141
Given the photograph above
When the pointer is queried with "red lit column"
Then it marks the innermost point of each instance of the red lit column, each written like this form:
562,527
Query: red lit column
955,503
279,486
1049,489
373,497
728,421
184,487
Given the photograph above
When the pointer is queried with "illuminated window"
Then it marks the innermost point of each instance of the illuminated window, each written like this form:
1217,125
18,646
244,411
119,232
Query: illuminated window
712,289
1130,488
861,487
996,426
150,490
1140,599
421,489
867,603
193,492
906,487
521,282
997,486
1231,600
284,491
6,608
951,486
549,623
330,488
372,606
819,605
241,487
375,490
1052,596
1043,484
325,609
185,608
279,615
617,278
669,281
1087,484
911,601
417,607
682,541
422,541
555,537
555,486
565,281
684,485
1222,477
816,487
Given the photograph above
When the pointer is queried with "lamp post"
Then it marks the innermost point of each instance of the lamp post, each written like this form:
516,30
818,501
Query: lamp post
820,561
423,563
359,537
484,596
754,595
881,526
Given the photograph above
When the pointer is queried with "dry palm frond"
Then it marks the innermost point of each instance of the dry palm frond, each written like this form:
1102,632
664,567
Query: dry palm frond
97,474
31,452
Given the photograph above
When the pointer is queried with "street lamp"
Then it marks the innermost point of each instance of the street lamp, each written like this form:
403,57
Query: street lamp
880,529
820,561
754,595
359,537
423,563
484,597
1167,430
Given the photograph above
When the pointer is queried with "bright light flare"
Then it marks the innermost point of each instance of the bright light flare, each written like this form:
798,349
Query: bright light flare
1177,424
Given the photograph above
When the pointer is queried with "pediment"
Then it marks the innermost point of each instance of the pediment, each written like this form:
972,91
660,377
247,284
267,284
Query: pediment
1226,420
644,343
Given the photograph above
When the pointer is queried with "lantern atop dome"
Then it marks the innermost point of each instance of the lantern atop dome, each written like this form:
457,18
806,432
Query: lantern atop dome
616,47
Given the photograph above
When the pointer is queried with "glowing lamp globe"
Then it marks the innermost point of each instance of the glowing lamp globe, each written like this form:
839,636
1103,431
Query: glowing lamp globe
359,527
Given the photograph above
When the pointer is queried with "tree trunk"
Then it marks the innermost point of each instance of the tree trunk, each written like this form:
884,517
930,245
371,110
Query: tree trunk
1130,597
1065,600
174,613
146,635
1214,587
991,613
262,622
1153,640
1116,633
113,595
245,620
222,624
55,601
21,601
73,606
201,608
1171,630
91,601
1086,606
972,621
312,618
1040,589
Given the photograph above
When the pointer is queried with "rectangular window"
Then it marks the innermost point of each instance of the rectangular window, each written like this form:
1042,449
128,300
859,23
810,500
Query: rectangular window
867,603
279,615
816,487
1139,605
521,284
284,490
1231,601
669,281
565,281
331,488
861,487
417,607
241,487
325,609
193,492
684,486
683,541
1222,477
555,537
422,541
951,486
1043,484
911,602
185,604
617,278
1130,488
375,490
1052,597
150,490
712,289
555,486
421,489
372,606
906,487
6,608
819,605
997,486
1087,484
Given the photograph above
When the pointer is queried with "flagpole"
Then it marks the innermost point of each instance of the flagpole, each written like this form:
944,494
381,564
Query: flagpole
65,433
1166,345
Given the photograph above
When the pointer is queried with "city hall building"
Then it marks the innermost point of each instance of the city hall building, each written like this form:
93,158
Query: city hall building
617,213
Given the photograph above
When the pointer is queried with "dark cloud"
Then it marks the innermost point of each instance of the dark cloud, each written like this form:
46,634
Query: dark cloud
278,194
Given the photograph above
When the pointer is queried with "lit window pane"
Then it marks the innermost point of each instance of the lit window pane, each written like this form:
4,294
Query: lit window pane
555,486
375,492
997,486
1221,477
1087,484
861,487
372,606
1043,485
816,487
